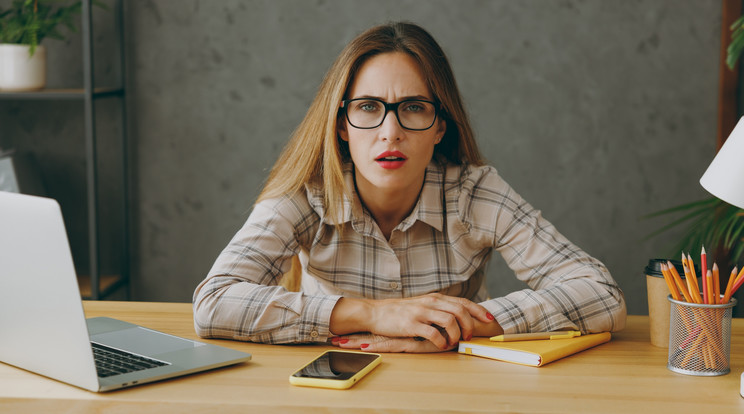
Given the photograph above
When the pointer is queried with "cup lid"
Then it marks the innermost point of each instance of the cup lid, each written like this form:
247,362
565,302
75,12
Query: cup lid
654,267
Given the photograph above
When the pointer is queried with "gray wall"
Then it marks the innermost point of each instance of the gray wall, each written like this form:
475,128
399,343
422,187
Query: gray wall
597,112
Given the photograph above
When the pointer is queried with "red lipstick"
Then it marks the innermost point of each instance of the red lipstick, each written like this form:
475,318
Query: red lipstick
391,160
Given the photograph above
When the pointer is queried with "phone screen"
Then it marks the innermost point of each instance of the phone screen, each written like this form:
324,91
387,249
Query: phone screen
336,365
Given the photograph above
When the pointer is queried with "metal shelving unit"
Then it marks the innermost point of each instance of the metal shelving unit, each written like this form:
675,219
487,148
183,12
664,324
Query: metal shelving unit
99,286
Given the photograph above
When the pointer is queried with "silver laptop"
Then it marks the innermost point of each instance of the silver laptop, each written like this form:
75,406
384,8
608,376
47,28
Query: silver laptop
42,325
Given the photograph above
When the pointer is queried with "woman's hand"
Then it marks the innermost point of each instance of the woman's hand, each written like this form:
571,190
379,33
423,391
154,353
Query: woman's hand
377,343
439,319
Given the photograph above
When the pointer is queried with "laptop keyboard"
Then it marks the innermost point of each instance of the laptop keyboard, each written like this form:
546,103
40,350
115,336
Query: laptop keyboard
110,361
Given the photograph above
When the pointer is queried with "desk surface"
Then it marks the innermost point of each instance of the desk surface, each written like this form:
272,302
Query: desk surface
625,375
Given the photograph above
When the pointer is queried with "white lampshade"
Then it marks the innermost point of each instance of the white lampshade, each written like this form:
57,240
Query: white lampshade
724,177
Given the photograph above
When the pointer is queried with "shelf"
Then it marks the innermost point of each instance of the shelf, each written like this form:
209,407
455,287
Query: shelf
108,284
96,286
73,94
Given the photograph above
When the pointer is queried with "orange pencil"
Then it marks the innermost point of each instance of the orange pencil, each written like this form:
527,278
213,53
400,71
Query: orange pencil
716,285
737,285
740,275
678,281
709,284
738,282
691,264
691,281
729,285
670,282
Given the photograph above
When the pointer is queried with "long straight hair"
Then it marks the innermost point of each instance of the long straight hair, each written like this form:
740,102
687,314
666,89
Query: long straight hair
315,152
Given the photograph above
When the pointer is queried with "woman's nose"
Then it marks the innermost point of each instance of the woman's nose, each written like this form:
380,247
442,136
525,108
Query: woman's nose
390,130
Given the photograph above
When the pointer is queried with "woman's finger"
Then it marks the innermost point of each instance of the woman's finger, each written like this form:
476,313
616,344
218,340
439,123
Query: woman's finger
403,345
475,310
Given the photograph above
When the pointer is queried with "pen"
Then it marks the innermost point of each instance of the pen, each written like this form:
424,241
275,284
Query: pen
535,336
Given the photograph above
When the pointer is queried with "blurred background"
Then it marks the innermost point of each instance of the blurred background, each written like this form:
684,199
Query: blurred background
597,112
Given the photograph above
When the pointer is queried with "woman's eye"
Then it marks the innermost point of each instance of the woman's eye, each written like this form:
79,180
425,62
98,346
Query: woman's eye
413,107
368,106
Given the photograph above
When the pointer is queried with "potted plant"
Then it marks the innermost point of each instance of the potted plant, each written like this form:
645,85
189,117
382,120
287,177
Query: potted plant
713,223
23,26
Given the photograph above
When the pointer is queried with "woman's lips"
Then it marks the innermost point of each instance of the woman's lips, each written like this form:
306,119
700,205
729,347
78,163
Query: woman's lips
391,160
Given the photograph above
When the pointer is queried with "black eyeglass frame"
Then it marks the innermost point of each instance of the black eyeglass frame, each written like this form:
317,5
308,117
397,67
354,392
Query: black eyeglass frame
390,107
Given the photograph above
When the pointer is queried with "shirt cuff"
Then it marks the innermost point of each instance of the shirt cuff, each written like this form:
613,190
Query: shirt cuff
315,321
508,315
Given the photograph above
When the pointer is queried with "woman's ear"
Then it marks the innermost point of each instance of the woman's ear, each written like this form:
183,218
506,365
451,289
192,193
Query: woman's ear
341,128
441,129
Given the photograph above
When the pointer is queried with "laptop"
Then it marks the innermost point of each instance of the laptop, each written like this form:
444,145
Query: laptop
42,325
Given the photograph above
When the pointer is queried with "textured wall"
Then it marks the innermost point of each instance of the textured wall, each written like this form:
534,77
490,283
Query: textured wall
597,112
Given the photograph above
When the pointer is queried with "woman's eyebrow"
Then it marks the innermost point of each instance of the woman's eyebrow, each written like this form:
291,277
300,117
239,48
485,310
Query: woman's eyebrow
405,98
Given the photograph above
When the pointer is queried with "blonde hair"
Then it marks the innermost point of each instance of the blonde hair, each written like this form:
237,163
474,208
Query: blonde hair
315,153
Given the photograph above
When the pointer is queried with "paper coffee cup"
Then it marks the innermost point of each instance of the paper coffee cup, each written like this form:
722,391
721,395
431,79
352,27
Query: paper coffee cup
658,304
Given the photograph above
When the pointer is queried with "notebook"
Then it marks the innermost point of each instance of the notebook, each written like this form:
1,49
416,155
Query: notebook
532,353
42,325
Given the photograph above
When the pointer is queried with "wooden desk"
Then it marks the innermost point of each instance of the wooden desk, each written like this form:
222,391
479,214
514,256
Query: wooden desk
626,375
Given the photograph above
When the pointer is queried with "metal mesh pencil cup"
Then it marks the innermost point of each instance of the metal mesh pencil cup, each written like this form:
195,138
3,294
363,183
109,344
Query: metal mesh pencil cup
700,338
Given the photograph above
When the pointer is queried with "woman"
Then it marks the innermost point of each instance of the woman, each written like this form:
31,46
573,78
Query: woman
384,196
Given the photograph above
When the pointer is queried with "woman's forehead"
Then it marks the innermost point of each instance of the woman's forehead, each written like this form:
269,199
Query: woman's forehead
392,74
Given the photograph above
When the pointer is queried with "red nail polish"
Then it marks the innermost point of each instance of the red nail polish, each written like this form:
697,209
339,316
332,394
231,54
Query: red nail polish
343,341
363,346
469,337
489,316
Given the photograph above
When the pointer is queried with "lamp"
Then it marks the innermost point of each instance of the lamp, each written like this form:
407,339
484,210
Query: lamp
724,178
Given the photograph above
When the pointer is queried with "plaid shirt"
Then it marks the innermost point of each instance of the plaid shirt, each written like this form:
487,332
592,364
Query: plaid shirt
462,215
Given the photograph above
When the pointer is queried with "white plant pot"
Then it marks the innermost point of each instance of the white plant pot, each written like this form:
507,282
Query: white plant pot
19,71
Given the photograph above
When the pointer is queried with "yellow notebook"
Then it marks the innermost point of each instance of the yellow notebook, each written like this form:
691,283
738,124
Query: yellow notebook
532,353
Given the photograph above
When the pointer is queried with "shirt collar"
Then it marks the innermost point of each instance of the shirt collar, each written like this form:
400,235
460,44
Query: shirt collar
428,209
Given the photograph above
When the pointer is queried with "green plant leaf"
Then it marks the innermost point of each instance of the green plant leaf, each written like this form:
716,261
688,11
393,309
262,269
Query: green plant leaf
712,223
701,203
734,51
21,23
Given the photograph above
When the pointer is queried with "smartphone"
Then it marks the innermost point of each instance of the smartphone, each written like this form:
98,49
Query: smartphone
336,369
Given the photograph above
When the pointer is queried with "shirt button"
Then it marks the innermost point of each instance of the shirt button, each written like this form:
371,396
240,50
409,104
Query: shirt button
393,285
314,334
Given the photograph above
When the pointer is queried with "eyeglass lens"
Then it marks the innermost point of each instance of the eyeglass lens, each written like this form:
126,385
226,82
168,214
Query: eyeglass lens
370,113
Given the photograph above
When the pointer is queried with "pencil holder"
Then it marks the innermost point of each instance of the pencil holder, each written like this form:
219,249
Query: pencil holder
700,338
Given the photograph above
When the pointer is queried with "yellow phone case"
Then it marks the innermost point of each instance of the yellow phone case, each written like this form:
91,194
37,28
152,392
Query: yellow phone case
339,384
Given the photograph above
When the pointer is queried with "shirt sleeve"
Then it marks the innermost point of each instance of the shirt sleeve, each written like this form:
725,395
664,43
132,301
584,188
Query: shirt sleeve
568,289
240,297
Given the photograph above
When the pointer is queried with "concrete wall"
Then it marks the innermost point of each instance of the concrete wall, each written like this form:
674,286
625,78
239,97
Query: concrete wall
597,112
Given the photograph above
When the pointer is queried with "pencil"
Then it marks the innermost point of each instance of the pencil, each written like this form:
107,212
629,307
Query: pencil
678,281
670,282
691,281
709,287
716,284
691,264
703,274
740,275
737,284
729,285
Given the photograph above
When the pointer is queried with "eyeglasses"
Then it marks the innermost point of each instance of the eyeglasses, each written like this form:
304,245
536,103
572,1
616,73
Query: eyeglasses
369,113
